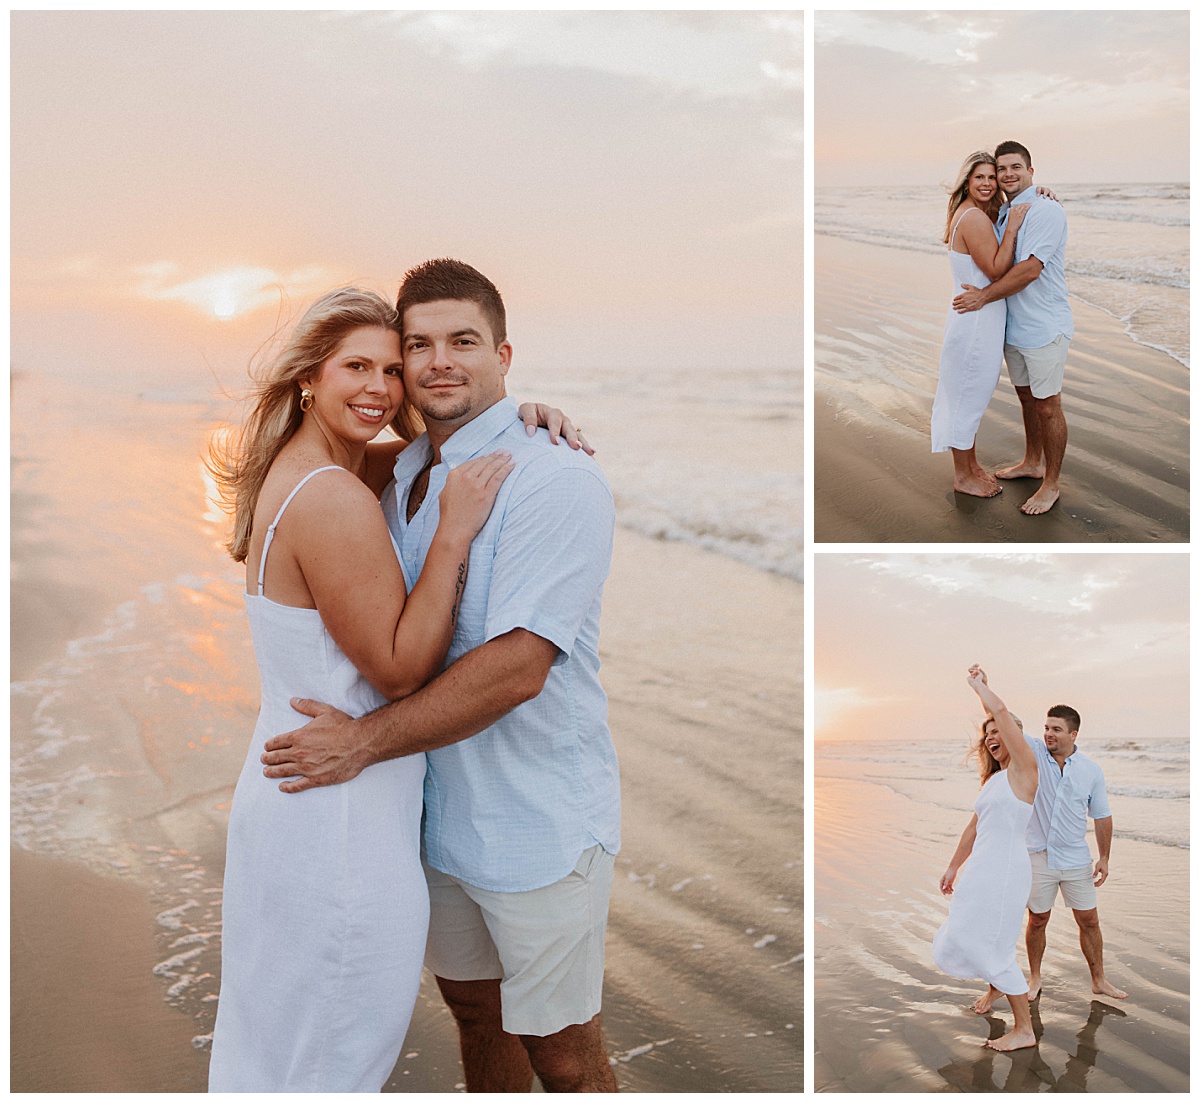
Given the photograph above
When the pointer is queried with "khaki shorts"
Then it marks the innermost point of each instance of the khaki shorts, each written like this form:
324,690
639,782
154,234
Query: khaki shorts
1041,370
546,946
1078,886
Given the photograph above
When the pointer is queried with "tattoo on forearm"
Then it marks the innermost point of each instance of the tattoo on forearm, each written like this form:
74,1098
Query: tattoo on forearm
458,590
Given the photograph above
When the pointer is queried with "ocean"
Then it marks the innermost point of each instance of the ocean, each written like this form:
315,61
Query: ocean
1127,252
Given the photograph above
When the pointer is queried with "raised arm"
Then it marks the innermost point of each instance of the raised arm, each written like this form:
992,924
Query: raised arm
340,542
1022,766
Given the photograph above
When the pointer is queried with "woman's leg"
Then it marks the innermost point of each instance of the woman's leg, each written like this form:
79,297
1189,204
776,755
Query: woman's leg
1021,1035
969,477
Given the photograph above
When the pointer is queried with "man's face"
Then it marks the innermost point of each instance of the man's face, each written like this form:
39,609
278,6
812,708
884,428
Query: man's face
1014,175
1060,740
453,370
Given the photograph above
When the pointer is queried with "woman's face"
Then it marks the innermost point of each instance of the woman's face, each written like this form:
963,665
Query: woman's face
359,388
981,184
991,740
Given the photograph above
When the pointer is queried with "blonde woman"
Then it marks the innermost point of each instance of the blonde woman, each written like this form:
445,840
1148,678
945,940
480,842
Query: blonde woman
973,343
325,905
987,905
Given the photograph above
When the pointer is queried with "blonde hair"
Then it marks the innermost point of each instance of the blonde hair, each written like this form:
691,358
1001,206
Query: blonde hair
239,463
987,763
958,193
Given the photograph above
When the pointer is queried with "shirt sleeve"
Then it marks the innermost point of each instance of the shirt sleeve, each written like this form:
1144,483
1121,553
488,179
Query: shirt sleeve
1042,232
552,555
1098,799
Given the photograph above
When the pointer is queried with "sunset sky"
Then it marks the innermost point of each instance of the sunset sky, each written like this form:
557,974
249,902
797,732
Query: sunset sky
1105,633
630,180
1096,96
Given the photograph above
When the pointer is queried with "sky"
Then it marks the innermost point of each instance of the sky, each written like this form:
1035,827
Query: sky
181,181
1096,96
1104,633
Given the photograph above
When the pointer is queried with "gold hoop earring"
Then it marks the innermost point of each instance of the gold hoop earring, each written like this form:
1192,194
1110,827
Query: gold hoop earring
306,400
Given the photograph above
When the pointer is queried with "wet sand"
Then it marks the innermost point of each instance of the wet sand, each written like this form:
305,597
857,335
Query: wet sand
137,696
888,1021
879,319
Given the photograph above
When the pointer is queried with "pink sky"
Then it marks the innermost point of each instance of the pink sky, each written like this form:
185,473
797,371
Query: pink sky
1106,633
1097,96
631,180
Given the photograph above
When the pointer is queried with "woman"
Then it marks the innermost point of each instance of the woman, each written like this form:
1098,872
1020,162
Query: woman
325,907
986,907
973,343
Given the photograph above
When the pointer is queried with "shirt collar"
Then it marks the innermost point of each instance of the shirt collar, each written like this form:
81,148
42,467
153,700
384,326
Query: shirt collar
1027,196
466,442
480,431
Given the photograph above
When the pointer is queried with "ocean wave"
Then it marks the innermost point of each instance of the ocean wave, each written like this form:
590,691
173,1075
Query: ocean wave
1160,273
1112,212
783,556
1150,792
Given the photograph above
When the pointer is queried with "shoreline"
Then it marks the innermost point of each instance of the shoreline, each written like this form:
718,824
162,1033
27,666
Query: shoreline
880,314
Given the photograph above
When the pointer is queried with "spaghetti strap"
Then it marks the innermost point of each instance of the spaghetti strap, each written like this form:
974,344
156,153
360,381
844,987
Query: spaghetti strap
954,229
262,559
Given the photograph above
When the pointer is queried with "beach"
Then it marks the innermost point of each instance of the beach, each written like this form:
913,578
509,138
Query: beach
888,1020
880,312
135,693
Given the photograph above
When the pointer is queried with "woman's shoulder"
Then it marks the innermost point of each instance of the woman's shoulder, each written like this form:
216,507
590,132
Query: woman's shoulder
311,491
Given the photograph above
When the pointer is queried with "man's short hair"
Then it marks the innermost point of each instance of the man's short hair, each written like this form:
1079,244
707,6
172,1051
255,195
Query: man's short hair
1065,712
452,279
1014,147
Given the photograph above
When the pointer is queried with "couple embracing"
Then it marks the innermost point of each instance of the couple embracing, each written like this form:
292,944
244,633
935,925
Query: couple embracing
433,603
1026,841
1007,260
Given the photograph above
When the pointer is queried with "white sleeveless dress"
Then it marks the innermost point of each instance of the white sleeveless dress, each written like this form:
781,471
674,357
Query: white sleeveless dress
325,908
979,939
972,351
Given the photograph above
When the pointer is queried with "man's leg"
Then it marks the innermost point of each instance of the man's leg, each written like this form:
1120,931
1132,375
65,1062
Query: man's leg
1032,465
969,477
1092,944
1053,429
572,1060
1035,949
493,1060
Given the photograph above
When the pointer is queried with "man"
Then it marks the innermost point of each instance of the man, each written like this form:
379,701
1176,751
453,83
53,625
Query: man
1070,789
1040,326
522,804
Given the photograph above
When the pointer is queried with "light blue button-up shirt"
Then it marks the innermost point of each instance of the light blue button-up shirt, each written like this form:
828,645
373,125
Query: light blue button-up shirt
1065,798
513,808
1040,312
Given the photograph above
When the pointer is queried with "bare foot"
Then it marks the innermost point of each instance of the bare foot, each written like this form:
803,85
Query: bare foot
980,488
1035,989
1014,1039
1022,470
1041,501
984,1004
1103,988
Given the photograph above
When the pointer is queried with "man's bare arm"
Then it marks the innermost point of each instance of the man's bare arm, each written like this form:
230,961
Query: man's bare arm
1017,278
473,693
1104,832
